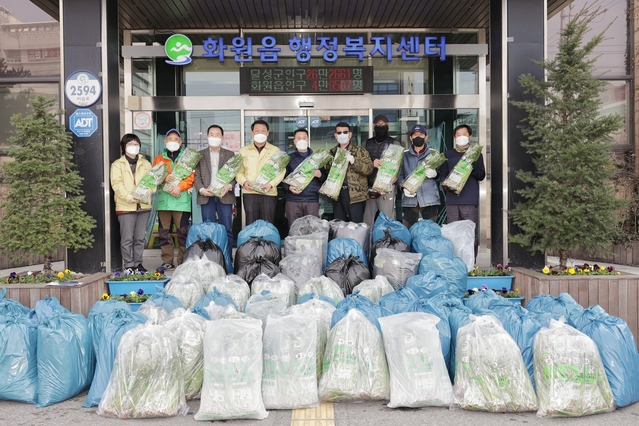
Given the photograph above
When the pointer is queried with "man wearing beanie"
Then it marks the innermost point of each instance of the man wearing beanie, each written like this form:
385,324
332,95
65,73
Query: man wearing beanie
383,202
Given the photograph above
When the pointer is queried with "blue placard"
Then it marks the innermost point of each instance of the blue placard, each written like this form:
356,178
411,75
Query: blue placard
315,122
83,123
301,121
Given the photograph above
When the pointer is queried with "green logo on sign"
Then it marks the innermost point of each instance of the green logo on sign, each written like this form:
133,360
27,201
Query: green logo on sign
178,48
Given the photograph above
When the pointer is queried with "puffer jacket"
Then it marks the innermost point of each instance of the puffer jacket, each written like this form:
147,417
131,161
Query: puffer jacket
167,202
123,182
357,173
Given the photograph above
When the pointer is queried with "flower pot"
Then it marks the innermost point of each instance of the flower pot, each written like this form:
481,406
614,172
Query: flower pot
126,287
493,283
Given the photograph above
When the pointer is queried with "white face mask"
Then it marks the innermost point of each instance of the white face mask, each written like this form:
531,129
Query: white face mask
342,138
215,142
302,145
172,146
461,141
133,150
259,138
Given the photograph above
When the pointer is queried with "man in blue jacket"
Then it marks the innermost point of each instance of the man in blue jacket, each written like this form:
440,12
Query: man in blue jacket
426,199
305,202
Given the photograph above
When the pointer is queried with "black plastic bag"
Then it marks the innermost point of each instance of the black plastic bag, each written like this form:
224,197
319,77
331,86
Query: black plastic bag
254,248
387,241
347,272
200,249
255,267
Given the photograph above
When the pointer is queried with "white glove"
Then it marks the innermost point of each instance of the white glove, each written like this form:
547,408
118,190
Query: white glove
350,158
408,193
430,173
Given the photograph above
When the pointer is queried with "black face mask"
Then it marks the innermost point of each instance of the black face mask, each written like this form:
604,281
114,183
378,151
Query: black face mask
419,141
381,133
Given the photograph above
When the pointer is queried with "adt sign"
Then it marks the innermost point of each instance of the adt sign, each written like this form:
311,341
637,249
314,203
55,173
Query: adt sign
83,122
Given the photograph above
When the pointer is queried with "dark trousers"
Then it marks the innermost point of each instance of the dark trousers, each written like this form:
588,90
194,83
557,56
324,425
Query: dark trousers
457,212
411,214
258,206
216,211
344,210
166,220
296,209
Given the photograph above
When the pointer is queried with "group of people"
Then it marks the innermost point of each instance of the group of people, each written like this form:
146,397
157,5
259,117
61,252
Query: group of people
356,202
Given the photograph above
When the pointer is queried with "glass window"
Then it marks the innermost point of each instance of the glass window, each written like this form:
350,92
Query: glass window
143,77
209,77
614,101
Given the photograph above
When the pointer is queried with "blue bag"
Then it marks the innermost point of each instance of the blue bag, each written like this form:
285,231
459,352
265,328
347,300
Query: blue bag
65,358
562,306
371,310
310,296
201,312
113,326
618,351
216,233
483,299
459,316
260,228
18,359
427,244
344,247
10,307
397,229
425,227
427,285
47,308
399,300
97,315
589,314
166,301
220,299
452,269
537,303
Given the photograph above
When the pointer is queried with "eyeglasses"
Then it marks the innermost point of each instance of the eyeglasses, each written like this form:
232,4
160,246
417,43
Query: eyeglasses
342,133
381,124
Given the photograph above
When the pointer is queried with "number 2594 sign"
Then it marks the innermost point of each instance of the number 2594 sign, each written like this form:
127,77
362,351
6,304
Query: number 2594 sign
83,88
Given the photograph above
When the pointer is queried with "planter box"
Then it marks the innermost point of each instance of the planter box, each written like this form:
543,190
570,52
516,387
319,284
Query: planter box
125,287
78,299
514,300
617,294
493,283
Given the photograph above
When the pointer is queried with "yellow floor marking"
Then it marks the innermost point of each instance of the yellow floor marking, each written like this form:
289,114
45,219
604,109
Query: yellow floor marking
323,415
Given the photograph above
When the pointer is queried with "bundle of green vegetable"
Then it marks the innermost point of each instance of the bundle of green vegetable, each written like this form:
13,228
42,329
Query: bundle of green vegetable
232,371
490,374
570,378
391,163
333,184
458,177
303,174
270,170
226,174
147,379
355,366
183,168
149,182
418,374
417,177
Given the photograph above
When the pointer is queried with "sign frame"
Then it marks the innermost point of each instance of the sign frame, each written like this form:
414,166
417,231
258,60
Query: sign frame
70,89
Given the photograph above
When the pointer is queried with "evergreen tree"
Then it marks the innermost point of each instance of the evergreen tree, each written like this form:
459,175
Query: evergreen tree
43,210
569,201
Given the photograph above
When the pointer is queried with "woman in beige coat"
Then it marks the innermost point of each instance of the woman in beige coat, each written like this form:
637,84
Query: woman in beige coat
133,215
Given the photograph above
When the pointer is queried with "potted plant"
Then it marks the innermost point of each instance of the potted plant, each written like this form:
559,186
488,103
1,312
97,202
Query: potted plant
513,296
493,278
127,282
584,269
29,277
134,299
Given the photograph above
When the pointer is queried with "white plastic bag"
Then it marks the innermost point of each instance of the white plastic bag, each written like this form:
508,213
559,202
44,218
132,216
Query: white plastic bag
374,289
147,379
186,289
155,314
322,286
280,283
259,306
569,374
354,363
289,379
315,244
234,287
301,267
188,329
418,374
224,312
490,374
462,234
202,270
232,371
396,266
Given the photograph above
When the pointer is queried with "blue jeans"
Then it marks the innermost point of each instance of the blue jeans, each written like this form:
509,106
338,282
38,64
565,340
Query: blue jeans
216,211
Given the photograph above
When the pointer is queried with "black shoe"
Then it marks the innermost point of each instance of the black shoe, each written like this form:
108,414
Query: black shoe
141,269
168,266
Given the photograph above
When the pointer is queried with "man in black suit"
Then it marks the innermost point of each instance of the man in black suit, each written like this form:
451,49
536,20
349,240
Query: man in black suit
213,158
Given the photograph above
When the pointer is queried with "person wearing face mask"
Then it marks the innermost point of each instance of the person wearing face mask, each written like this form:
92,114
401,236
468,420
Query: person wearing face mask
426,200
378,201
173,208
305,202
133,215
214,157
465,205
352,198
255,156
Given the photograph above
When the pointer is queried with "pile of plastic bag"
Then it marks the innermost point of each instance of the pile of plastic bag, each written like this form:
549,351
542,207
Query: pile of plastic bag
374,289
216,232
347,272
234,287
322,286
396,266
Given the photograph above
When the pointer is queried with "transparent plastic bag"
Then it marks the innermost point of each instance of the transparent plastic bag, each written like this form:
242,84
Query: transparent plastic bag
188,330
301,267
225,175
278,284
336,174
234,287
360,232
155,314
186,289
391,164
309,225
273,167
145,188
303,173
457,178
184,166
569,374
462,234
314,244
216,312
289,378
396,266
203,270
261,305
355,366
232,371
374,289
418,375
323,286
147,379
490,374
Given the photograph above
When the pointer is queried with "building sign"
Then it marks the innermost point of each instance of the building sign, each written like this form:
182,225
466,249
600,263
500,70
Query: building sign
294,80
83,123
178,48
83,88
35,55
